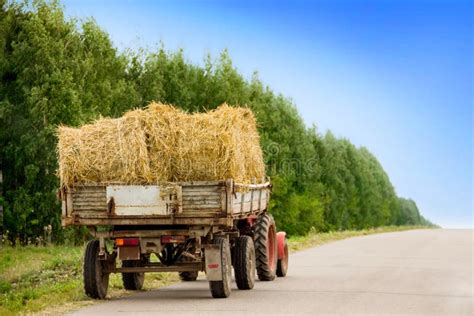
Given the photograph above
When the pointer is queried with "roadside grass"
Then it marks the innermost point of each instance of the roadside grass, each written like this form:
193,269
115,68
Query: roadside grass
314,238
48,280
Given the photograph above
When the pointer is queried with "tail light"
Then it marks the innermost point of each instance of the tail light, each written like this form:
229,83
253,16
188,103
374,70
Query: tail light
125,242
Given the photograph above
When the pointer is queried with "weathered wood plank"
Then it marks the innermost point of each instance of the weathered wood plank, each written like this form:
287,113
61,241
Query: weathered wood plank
93,193
251,186
194,191
92,213
92,199
188,203
88,190
89,206
200,193
186,208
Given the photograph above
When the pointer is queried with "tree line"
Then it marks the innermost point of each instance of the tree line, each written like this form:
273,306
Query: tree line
55,70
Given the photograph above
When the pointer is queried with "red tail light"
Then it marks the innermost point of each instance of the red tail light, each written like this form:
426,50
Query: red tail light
172,239
124,242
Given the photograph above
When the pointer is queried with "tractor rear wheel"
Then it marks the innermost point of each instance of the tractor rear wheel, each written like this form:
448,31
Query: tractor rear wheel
266,247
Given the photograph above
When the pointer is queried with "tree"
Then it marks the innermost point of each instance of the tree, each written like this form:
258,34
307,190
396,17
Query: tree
55,71
51,73
409,214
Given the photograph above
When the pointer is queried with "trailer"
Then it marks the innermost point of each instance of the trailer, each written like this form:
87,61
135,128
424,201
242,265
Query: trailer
208,226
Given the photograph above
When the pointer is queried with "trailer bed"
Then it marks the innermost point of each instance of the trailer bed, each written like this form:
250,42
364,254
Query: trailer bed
208,203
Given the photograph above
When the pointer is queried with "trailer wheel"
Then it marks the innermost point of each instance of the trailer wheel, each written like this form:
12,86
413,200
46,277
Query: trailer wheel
244,263
188,276
282,265
266,247
96,281
132,280
221,289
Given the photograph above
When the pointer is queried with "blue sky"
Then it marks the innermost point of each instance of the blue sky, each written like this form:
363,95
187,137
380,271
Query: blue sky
394,76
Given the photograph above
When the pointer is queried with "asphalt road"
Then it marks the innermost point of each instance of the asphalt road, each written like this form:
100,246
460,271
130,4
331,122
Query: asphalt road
414,272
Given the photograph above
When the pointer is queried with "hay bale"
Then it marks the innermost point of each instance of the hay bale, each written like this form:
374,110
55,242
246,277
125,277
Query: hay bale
108,150
163,144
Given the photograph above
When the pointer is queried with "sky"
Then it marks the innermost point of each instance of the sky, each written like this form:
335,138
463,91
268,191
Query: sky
393,76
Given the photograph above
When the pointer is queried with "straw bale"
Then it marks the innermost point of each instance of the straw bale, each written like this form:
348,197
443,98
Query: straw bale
163,144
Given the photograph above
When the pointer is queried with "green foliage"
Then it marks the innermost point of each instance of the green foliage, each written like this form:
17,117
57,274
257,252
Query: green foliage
409,213
55,70
51,73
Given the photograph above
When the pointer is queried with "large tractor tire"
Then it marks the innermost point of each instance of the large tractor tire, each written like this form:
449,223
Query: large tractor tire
188,276
244,263
266,247
96,281
221,289
132,280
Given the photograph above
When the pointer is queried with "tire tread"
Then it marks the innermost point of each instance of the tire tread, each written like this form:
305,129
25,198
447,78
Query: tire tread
131,280
91,287
243,245
264,271
218,288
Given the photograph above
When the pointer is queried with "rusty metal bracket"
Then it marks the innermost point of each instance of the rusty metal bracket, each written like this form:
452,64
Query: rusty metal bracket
111,206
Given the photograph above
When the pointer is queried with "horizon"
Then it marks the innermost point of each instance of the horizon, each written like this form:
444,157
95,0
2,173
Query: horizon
364,59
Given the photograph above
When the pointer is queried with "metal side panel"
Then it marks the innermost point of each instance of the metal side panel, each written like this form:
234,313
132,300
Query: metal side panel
140,200
213,259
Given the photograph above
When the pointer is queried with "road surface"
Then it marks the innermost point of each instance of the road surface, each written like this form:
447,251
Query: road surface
414,272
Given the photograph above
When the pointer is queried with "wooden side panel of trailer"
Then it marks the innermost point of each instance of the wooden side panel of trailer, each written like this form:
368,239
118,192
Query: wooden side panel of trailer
186,203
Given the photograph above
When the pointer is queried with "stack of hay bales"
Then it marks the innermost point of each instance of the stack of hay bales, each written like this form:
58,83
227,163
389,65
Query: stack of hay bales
163,144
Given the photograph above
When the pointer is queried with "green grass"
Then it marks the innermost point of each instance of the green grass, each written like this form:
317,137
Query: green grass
314,238
48,280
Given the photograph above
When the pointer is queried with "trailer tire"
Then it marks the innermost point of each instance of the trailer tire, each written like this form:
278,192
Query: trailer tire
221,289
244,263
96,281
188,276
266,248
132,280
